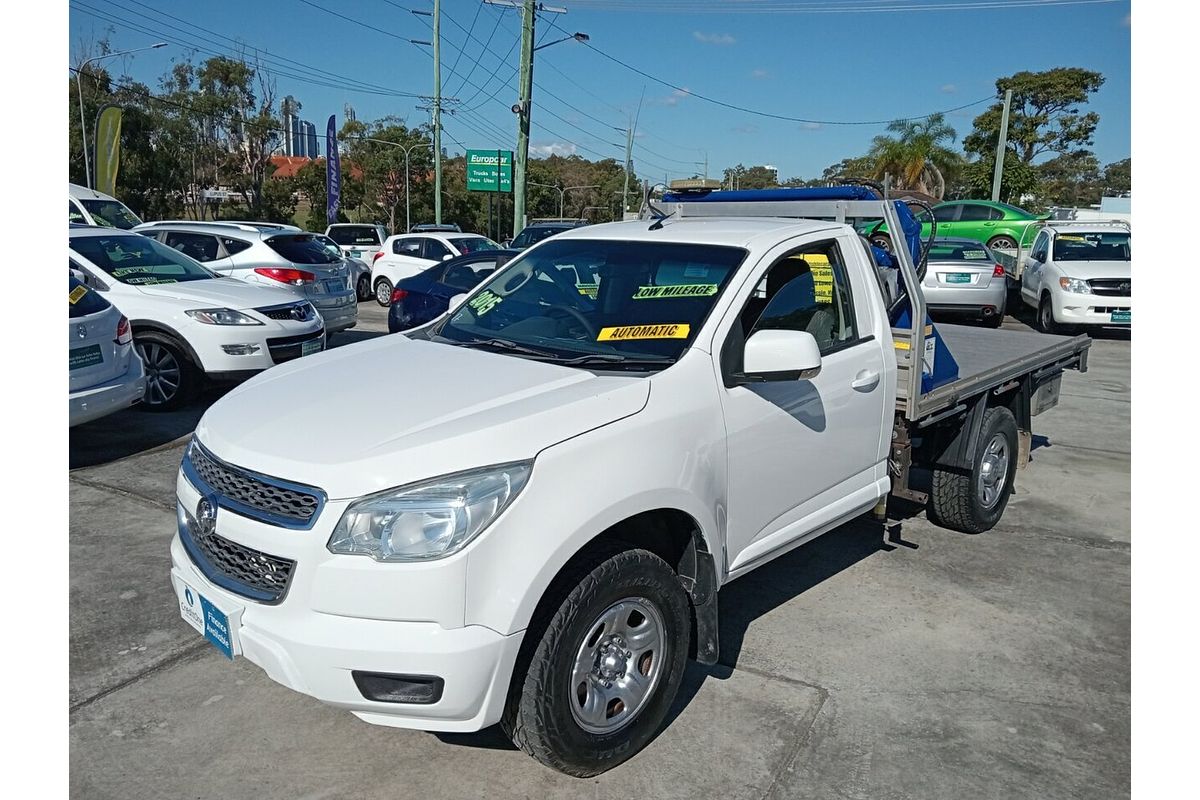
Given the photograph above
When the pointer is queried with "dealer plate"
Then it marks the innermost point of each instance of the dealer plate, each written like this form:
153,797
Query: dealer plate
334,285
958,277
215,625
311,346
89,356
1119,316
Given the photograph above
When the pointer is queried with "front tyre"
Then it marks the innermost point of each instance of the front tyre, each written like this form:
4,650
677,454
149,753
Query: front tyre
1045,318
974,502
594,686
383,292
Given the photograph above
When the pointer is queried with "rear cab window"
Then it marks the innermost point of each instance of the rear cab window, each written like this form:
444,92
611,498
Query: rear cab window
350,236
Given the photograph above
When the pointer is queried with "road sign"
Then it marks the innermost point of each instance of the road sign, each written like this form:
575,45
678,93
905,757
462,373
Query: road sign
483,175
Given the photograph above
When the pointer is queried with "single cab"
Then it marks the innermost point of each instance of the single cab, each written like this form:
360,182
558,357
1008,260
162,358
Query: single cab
567,475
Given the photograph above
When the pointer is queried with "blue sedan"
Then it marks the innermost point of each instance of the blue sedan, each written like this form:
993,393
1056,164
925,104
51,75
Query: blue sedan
426,296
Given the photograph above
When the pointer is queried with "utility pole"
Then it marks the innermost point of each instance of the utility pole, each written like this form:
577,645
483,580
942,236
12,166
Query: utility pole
528,16
437,111
1001,145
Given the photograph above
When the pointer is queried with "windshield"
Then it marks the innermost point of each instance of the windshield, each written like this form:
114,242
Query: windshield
137,260
637,304
363,235
531,236
111,213
1091,247
474,244
303,248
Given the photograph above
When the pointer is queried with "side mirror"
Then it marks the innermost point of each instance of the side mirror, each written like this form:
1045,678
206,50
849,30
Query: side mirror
781,356
447,257
456,301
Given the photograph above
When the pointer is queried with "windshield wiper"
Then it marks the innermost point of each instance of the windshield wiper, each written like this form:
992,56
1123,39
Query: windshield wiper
614,358
503,344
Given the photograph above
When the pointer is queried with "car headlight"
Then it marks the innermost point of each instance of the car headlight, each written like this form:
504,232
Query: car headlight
430,519
1074,285
221,316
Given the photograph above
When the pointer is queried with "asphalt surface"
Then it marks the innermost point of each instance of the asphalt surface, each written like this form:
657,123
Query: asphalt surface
898,661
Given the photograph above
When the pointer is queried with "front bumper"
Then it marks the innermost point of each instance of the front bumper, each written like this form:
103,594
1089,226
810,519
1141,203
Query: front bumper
1090,309
274,344
338,616
107,398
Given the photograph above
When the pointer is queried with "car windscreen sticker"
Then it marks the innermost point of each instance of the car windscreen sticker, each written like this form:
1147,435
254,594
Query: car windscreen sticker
150,280
1065,238
680,290
631,332
121,272
695,272
77,294
484,302
972,255
588,289
822,272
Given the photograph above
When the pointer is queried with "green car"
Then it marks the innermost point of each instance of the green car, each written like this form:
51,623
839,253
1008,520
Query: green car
998,225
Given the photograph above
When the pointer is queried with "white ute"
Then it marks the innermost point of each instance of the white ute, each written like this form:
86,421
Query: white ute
568,473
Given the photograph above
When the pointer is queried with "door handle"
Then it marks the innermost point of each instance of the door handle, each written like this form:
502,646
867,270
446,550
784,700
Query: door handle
865,380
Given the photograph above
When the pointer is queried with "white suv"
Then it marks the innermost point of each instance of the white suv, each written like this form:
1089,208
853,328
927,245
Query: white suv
1079,274
189,323
409,254
272,255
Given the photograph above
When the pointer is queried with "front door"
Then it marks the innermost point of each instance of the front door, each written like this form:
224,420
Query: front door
804,454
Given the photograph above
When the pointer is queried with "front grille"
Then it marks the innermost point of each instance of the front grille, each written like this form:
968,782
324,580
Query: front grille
240,569
286,348
1109,309
1111,287
292,312
255,496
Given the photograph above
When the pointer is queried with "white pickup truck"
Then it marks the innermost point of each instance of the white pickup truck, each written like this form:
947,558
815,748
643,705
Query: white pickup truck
575,459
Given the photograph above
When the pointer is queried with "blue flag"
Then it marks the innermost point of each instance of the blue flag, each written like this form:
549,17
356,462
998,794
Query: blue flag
333,172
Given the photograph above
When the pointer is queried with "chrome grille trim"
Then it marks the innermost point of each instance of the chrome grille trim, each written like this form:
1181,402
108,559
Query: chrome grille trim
252,494
242,570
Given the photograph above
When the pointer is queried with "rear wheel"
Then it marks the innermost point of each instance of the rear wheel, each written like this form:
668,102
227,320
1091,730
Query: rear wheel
383,292
363,288
881,240
597,678
975,501
1003,242
171,378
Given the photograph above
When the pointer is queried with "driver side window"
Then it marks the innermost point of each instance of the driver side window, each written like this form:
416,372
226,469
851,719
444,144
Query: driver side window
1041,247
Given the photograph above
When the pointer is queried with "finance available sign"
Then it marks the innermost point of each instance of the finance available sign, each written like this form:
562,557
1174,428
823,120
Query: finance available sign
489,170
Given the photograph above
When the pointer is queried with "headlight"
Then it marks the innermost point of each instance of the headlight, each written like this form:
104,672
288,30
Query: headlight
430,519
1074,285
221,316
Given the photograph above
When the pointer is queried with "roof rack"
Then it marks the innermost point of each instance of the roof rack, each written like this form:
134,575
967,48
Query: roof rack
1086,223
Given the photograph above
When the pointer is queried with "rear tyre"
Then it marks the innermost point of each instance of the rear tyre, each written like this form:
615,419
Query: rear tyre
1002,243
882,241
994,321
601,663
171,377
363,288
974,502
383,292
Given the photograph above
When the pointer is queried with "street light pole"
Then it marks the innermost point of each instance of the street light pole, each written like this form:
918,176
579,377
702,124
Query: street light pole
87,164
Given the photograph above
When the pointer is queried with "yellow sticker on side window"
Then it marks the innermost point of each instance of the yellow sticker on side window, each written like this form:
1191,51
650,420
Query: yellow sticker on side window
77,294
822,272
680,290
630,332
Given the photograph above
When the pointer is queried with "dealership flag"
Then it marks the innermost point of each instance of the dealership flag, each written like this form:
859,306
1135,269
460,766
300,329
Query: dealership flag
108,148
333,172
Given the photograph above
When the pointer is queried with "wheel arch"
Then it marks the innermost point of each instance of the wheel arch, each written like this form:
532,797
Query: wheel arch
151,326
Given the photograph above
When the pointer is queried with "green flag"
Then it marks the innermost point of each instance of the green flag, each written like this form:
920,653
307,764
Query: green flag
108,148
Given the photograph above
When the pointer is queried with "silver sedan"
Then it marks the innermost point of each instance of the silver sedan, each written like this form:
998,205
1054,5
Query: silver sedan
963,278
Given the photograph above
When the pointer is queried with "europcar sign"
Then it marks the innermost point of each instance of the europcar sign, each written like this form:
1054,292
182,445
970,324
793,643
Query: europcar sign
489,170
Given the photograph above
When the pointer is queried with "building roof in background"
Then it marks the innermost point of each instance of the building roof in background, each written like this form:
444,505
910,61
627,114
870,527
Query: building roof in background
288,166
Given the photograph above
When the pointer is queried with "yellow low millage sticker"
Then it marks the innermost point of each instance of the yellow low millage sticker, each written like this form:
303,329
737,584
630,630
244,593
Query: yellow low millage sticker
77,294
588,289
629,332
680,290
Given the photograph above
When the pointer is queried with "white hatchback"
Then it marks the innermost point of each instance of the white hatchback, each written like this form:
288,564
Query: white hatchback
189,323
409,254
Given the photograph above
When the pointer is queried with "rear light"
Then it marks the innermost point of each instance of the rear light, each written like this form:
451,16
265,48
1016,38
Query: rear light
124,333
375,257
998,272
294,277
399,294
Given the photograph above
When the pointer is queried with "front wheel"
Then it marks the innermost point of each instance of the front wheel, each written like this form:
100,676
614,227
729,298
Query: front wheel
171,378
975,501
383,292
595,684
1045,318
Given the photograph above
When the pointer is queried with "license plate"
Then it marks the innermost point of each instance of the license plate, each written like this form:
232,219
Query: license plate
1119,316
356,253
958,277
215,625
313,346
88,356
334,285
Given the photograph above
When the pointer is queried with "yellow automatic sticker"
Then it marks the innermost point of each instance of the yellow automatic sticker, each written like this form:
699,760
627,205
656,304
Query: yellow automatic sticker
485,302
625,332
77,294
681,290
902,345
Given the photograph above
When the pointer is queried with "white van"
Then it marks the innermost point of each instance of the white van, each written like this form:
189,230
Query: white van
90,207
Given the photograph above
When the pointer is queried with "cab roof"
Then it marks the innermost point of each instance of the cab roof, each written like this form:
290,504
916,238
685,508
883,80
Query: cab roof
727,231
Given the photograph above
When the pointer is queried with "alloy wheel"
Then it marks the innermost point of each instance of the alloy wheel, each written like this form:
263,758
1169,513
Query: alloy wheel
164,373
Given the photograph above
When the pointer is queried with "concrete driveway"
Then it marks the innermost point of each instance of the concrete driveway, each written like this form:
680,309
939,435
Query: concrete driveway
904,661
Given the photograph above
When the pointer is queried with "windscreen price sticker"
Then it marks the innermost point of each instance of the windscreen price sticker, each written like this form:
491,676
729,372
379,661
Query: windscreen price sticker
485,302
633,332
681,290
77,294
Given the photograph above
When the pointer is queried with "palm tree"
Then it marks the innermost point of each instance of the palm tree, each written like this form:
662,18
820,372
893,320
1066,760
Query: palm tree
917,157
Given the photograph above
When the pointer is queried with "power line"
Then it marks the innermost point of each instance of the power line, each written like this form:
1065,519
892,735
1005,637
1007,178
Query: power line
458,58
831,7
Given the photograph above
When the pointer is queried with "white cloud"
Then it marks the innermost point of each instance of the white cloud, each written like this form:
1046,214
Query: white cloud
811,126
1126,21
552,149
713,38
672,99
759,74
746,129
949,88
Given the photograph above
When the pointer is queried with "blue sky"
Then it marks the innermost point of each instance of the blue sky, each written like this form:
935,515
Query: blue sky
820,66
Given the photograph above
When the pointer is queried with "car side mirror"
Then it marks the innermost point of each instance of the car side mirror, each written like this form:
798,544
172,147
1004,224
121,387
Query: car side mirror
773,355
456,301
447,257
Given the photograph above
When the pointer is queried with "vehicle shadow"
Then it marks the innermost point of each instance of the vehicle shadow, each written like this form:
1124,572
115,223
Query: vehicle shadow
353,336
1027,318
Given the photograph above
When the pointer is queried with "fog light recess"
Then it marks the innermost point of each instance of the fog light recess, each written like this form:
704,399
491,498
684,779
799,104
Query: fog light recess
383,687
